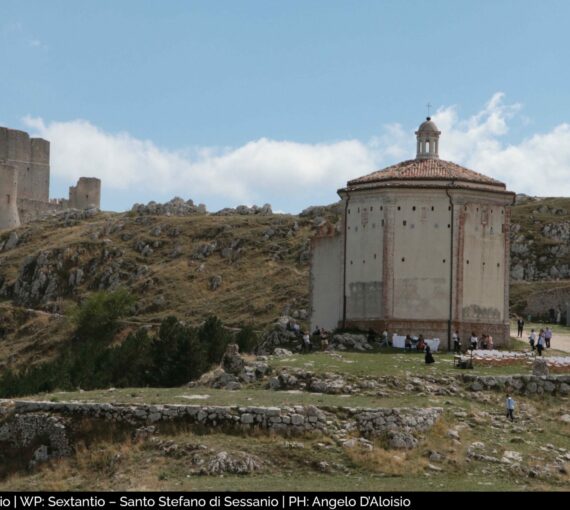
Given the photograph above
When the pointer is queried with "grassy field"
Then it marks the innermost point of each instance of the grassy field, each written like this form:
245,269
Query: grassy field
320,463
389,363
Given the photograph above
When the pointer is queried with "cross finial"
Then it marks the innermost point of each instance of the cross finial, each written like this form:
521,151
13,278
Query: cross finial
428,107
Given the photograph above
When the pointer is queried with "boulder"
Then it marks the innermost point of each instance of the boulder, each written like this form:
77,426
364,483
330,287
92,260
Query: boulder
238,463
282,353
215,282
539,367
401,440
232,362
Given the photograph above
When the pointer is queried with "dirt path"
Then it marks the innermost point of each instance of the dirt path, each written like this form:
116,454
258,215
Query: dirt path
560,341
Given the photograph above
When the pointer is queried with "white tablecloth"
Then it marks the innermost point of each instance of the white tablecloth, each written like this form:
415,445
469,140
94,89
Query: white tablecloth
399,342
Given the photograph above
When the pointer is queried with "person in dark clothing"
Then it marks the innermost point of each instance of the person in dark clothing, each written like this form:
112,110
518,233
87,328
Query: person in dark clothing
408,343
371,336
428,356
456,342
541,343
520,327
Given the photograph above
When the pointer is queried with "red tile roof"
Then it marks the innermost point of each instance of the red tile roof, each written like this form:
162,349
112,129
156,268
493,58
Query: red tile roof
426,169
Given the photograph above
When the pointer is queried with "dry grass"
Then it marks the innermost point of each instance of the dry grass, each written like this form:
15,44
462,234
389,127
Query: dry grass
257,286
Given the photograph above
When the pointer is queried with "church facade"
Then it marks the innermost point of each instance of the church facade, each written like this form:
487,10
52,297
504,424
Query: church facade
423,249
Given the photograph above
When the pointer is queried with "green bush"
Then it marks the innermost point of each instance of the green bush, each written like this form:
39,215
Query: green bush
97,317
214,339
176,355
247,339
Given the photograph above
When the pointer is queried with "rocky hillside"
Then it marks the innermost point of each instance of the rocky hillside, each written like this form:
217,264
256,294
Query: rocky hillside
245,265
540,256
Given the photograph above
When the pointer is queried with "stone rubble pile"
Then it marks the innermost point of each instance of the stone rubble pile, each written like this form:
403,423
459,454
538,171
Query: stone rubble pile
264,210
175,207
350,341
233,371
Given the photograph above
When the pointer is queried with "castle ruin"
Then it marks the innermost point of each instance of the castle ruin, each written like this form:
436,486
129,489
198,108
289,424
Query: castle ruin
24,181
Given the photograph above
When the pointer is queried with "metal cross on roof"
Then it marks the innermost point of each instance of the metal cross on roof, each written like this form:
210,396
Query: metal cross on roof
428,107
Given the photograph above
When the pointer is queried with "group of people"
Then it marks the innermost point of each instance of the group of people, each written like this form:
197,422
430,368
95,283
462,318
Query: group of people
420,346
323,336
319,334
542,341
484,343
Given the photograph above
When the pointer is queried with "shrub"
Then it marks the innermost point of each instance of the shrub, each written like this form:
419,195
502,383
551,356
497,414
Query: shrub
247,339
97,316
214,339
177,354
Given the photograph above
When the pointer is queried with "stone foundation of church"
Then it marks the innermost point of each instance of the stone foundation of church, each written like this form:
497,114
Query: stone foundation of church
435,329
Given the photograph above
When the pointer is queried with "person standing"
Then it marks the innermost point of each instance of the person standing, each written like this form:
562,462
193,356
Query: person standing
540,342
548,337
532,339
473,341
385,339
408,343
429,357
520,327
456,342
307,346
510,407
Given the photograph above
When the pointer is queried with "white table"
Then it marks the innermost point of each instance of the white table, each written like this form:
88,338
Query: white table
399,342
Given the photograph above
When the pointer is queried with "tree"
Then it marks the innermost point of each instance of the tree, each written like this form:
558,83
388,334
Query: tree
247,338
97,317
214,339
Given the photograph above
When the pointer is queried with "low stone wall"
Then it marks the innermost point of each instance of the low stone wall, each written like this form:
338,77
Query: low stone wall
282,420
523,384
373,421
33,432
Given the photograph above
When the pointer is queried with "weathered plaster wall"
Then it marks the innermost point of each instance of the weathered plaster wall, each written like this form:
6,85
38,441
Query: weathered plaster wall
422,236
326,282
484,263
364,255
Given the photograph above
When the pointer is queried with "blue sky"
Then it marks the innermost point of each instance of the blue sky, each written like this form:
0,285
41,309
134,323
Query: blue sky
230,102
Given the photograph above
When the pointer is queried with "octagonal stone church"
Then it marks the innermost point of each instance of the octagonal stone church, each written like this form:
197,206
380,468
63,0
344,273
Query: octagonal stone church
423,249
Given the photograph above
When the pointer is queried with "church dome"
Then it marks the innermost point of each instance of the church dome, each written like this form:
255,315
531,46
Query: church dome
427,170
428,126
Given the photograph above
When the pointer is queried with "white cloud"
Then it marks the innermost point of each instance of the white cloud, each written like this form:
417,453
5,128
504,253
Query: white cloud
254,173
292,175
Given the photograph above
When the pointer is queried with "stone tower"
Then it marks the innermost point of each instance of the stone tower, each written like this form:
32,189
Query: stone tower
85,194
9,217
423,249
24,180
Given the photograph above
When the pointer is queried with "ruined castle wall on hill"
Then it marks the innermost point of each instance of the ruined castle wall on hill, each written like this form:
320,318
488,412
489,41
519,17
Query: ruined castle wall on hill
30,157
9,217
24,179
86,194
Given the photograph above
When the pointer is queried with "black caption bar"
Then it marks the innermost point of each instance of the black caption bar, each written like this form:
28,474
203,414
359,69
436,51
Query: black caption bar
279,501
